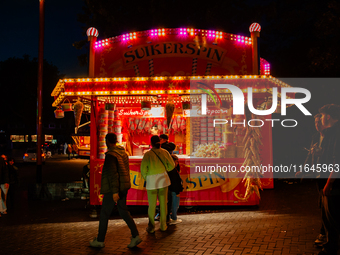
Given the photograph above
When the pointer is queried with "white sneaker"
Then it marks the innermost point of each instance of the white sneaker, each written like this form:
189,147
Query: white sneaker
173,222
134,242
97,244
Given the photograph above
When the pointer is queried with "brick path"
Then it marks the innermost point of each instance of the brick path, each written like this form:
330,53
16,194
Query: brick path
286,222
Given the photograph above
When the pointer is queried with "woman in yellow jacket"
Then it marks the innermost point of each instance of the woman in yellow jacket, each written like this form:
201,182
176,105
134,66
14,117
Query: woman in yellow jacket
154,167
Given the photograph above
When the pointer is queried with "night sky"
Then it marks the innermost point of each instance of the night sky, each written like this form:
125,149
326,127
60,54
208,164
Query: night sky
20,32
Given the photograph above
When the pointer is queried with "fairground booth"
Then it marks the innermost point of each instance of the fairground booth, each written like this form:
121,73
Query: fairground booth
156,82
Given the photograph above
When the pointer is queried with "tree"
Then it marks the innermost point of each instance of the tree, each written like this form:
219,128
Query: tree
18,100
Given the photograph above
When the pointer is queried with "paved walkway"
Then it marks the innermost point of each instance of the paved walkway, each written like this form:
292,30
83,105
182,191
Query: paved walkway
286,222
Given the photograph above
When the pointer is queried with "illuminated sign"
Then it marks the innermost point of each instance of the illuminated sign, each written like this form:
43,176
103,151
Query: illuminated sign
155,112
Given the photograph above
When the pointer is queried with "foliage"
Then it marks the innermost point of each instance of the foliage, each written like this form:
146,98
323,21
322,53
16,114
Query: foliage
18,98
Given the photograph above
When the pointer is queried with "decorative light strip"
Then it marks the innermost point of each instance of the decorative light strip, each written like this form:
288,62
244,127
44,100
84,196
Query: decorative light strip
212,34
161,78
59,90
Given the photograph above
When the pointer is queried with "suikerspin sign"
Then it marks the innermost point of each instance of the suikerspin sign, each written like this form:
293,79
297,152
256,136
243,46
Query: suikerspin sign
238,105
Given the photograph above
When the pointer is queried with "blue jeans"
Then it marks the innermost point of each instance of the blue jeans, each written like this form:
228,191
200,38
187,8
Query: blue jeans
175,205
105,213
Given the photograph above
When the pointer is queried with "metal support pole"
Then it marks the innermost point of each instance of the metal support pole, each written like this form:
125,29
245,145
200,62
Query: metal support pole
39,90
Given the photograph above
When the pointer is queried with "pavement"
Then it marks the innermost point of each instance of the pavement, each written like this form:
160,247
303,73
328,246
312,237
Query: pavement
287,221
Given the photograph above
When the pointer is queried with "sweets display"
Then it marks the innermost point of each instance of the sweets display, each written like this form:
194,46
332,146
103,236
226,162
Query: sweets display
252,142
211,150
78,110
103,130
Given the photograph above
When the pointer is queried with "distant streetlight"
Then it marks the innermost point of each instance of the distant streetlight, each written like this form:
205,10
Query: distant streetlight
39,90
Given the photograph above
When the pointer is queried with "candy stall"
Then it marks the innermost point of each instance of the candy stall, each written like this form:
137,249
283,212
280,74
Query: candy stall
158,82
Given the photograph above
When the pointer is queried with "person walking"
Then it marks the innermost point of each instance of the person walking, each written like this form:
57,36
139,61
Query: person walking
65,148
4,184
175,189
13,182
330,157
74,150
155,164
313,158
69,151
115,185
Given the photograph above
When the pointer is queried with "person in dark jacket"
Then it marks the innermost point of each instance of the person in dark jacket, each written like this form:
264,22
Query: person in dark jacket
4,184
314,153
175,189
170,147
115,185
330,157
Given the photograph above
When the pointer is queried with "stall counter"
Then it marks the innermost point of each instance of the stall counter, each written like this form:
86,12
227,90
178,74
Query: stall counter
200,188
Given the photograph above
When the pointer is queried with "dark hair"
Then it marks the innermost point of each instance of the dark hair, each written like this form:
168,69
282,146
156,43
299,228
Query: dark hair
164,136
111,138
317,116
332,110
155,141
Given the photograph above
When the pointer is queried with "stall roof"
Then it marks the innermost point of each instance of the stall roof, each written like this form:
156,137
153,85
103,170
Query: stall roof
148,86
